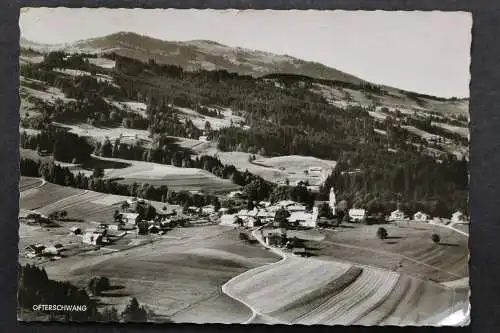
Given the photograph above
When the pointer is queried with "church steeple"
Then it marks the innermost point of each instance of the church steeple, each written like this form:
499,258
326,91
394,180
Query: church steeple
332,201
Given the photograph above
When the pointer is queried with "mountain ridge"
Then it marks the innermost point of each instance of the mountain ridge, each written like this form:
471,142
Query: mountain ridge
199,54
208,55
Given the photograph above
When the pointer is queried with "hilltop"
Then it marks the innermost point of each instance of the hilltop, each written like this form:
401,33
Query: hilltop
198,54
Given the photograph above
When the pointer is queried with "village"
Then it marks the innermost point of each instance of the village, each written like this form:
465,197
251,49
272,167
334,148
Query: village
279,223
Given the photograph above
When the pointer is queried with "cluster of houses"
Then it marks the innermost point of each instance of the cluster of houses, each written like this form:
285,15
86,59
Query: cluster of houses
264,212
360,215
40,250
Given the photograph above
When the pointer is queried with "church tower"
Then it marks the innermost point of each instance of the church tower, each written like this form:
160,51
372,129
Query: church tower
332,201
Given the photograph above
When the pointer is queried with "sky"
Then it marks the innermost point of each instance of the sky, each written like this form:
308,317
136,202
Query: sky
426,52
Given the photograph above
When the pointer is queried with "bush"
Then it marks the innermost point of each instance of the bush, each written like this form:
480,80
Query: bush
98,284
382,233
435,238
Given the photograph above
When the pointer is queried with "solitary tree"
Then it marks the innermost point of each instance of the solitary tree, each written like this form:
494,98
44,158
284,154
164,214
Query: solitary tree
134,312
281,217
382,233
125,206
435,238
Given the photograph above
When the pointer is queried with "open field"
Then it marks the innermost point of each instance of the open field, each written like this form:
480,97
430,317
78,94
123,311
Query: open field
409,249
126,135
81,205
174,177
310,291
199,120
194,263
26,183
463,131
294,166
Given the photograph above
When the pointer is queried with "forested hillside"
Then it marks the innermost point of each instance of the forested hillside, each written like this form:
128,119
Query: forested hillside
380,162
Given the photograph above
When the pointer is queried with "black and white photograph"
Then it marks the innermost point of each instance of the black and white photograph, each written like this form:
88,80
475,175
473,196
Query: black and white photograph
244,166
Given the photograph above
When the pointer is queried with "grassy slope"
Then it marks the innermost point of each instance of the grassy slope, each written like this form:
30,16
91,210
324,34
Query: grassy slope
409,250
179,276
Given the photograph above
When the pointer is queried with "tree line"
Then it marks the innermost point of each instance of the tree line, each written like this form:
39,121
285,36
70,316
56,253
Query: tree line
34,288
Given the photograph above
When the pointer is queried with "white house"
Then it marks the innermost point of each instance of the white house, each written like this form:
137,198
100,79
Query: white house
264,204
296,208
92,238
209,209
203,138
228,219
51,250
419,216
458,217
305,219
234,194
130,218
75,230
357,214
397,215
113,227
285,203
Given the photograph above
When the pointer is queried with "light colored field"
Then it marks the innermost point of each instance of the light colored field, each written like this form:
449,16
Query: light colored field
199,120
79,204
409,249
26,183
463,131
174,177
49,95
102,62
127,135
419,132
311,291
134,107
178,277
49,193
295,165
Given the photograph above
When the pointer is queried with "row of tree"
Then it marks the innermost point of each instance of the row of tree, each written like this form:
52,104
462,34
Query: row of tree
34,288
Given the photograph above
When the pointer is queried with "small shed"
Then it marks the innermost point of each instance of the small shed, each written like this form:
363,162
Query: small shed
75,230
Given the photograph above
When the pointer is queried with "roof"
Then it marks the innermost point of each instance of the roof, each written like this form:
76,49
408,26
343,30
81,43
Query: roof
420,213
357,211
286,203
299,216
130,215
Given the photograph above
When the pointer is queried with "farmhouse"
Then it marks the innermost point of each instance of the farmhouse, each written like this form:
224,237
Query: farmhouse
235,194
35,248
130,218
264,204
92,238
458,217
357,215
75,230
285,203
228,219
397,215
304,219
296,208
51,251
419,216
209,209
